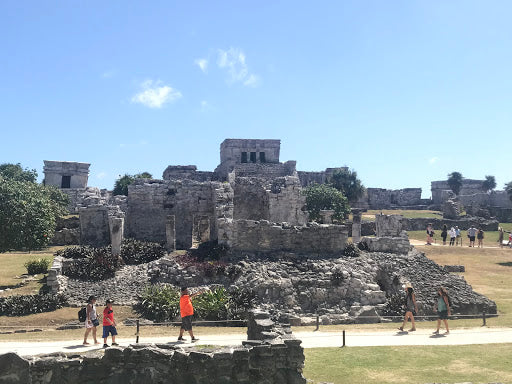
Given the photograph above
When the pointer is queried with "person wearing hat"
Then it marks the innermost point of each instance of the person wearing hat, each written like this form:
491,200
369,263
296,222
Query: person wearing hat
91,321
411,308
109,324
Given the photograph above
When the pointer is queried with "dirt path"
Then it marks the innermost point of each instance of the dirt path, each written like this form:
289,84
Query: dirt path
309,340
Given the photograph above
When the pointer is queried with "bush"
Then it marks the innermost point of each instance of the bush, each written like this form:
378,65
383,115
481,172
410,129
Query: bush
352,250
212,305
100,265
160,302
76,252
206,268
337,277
138,252
29,304
240,301
37,266
209,250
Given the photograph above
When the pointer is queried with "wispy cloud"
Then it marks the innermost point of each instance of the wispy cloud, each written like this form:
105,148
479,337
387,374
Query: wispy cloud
155,95
108,74
433,160
101,175
202,64
233,61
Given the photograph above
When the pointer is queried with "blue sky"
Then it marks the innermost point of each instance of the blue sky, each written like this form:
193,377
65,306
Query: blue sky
404,92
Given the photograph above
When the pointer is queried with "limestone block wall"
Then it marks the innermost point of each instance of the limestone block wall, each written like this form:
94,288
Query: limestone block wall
274,356
189,172
265,170
264,236
399,245
149,204
322,177
94,226
469,187
250,199
388,225
379,198
286,203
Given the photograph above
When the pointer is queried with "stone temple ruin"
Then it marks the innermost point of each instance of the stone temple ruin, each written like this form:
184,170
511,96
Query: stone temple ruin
252,203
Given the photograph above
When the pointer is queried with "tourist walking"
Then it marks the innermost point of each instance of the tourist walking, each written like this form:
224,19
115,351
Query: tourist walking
109,324
453,235
411,308
471,236
91,320
480,238
443,309
186,311
444,233
430,234
458,236
500,236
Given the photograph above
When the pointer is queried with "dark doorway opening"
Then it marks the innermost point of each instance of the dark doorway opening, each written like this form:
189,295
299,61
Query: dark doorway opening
262,157
244,157
66,182
253,157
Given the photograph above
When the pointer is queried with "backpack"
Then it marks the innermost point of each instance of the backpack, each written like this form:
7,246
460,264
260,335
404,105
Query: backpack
82,314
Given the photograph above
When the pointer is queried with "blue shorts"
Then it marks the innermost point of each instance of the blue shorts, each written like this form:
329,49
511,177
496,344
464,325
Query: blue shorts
109,329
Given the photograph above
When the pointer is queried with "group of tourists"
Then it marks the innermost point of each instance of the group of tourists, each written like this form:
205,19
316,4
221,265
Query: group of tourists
473,235
442,307
109,324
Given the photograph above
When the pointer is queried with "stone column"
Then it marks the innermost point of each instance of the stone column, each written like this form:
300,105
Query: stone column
326,216
356,226
170,233
116,233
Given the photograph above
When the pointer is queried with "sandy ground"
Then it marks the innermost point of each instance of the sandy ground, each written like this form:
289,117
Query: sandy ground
481,335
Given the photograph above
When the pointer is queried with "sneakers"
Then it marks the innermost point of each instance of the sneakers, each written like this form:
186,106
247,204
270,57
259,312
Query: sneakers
412,329
435,332
194,339
115,344
105,345
401,329
181,338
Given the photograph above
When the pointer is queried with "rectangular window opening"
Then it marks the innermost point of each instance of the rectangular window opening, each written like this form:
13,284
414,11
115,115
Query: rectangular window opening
66,182
262,157
244,157
253,157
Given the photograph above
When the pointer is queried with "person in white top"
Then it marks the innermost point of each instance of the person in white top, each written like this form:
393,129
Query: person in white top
453,235
91,321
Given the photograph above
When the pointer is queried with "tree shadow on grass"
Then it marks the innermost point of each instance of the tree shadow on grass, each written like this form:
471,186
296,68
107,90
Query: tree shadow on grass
506,264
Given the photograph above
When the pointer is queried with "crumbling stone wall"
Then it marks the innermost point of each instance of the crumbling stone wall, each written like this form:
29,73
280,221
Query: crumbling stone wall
55,171
469,187
150,202
264,236
322,177
273,357
189,172
94,226
379,198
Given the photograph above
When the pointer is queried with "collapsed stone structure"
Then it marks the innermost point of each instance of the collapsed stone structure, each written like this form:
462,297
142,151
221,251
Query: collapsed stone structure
271,355
474,199
251,202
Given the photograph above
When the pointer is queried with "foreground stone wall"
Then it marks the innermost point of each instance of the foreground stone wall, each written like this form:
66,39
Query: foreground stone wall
273,357
264,236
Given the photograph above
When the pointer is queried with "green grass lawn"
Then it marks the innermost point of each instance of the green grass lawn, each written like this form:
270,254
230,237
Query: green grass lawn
417,364
13,267
410,214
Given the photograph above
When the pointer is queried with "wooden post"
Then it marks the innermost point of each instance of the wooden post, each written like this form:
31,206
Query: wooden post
137,333
343,339
317,323
484,319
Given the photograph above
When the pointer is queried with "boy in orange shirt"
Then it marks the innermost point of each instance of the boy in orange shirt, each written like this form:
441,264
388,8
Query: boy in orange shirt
186,311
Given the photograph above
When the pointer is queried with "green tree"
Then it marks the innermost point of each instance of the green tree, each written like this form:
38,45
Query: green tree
27,214
455,182
508,189
346,181
323,196
489,183
121,184
16,172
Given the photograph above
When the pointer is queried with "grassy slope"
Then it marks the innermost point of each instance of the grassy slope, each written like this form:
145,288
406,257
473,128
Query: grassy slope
426,364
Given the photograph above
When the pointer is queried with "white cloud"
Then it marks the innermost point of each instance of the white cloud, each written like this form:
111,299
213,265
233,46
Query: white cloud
108,74
101,175
233,61
155,95
433,160
202,64
252,81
